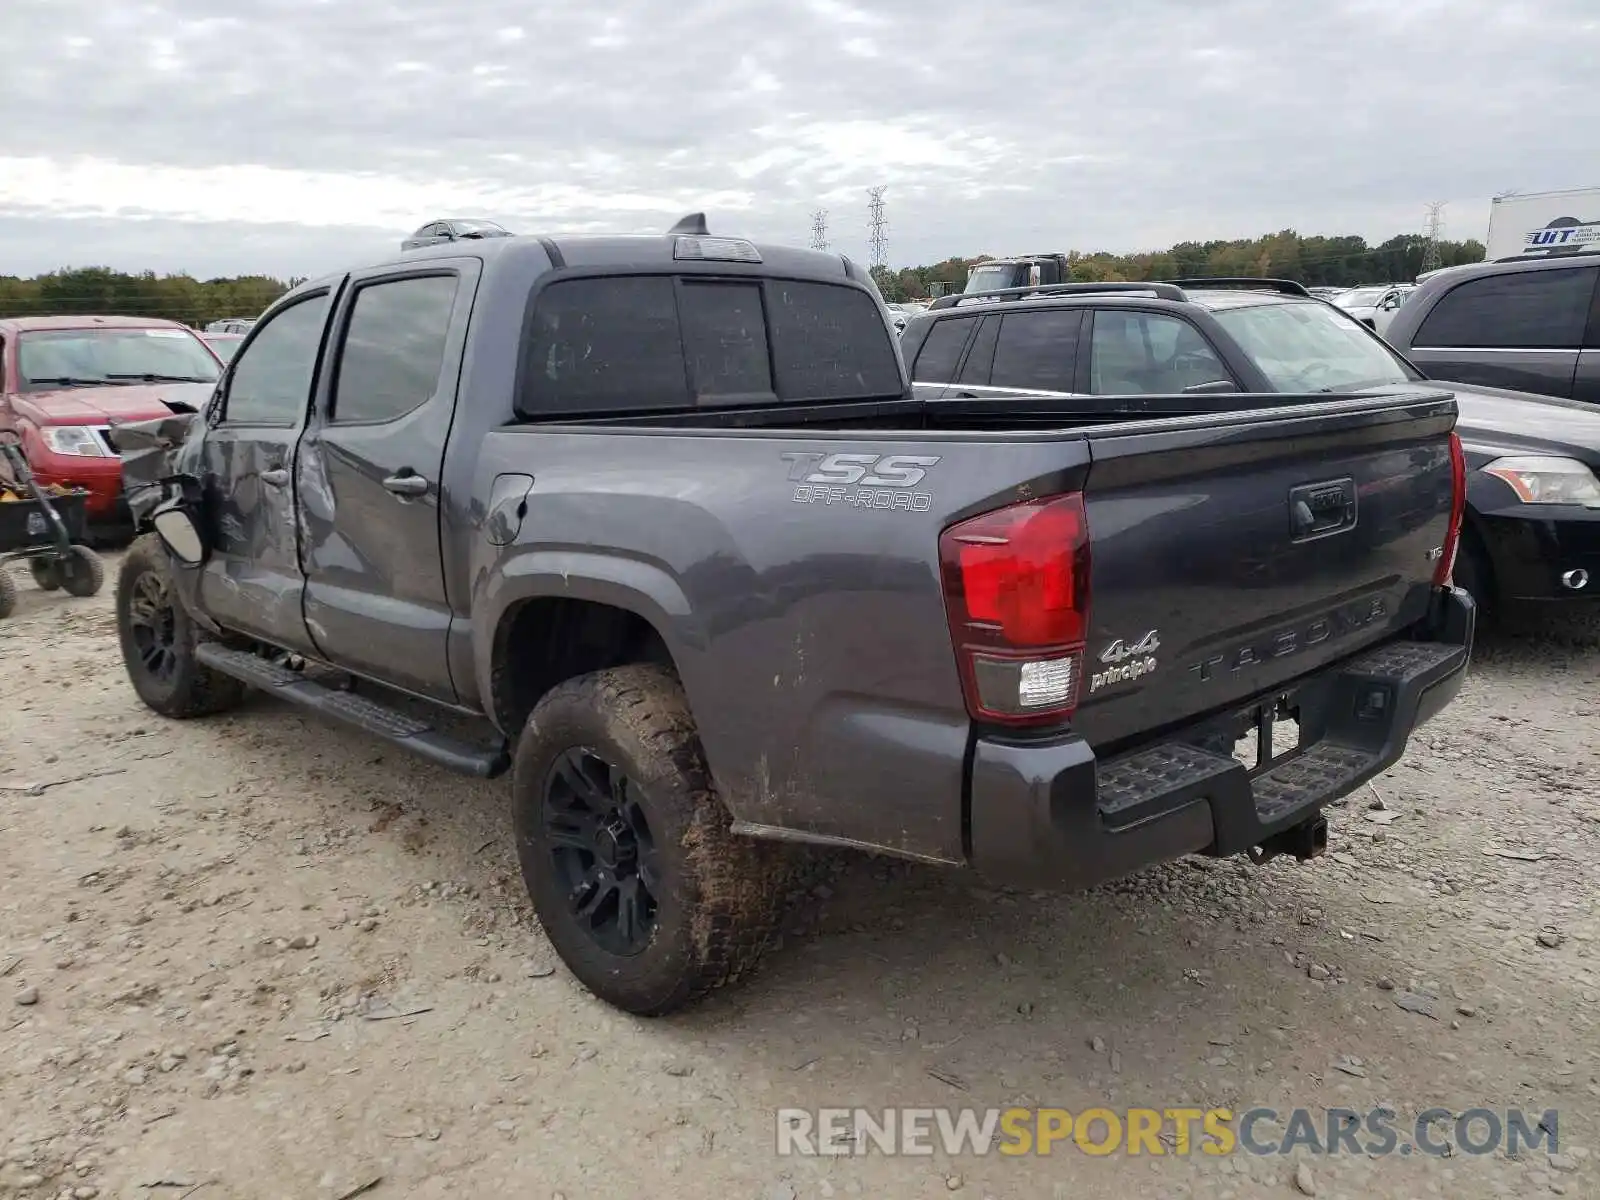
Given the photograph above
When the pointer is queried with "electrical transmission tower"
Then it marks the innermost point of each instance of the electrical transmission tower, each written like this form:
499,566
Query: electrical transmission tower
877,228
1433,231
819,229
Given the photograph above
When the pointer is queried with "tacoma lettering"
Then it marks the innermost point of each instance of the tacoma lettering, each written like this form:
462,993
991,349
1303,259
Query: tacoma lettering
1292,641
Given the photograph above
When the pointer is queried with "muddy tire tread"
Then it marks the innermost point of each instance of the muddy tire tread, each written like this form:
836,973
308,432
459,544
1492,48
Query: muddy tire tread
200,691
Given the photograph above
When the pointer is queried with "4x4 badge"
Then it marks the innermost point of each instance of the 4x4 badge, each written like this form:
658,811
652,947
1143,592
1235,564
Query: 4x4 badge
1127,661
1120,651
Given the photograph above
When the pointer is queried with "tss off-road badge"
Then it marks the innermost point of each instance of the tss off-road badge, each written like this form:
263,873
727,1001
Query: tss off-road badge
1127,661
882,481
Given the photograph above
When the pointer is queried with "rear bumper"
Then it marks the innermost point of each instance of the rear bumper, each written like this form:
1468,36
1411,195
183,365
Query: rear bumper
1529,555
1048,814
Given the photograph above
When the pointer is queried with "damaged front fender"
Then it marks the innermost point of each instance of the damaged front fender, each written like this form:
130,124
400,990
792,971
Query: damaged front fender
154,452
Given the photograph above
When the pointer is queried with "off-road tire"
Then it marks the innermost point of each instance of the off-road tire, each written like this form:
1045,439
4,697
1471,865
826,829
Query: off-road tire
8,594
191,690
721,895
82,573
46,574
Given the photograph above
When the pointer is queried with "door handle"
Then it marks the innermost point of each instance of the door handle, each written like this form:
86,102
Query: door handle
407,483
277,477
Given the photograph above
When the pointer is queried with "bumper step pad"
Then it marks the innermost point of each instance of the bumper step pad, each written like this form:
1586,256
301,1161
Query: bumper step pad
1162,779
399,728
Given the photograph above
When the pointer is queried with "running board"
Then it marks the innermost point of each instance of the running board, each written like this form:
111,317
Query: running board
392,725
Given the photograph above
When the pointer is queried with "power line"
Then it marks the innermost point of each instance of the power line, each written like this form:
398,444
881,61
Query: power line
819,229
1433,231
877,227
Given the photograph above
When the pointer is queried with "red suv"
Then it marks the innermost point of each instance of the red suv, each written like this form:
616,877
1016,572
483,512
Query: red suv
65,382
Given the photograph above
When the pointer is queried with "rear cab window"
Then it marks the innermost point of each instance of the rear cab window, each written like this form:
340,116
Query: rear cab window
647,343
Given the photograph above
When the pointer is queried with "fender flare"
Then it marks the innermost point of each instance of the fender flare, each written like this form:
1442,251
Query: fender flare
634,585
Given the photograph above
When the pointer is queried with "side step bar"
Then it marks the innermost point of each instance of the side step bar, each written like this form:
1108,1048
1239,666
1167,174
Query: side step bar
390,724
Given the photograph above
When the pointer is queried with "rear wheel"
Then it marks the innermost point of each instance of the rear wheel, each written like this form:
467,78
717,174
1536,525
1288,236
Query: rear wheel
642,889
82,573
158,639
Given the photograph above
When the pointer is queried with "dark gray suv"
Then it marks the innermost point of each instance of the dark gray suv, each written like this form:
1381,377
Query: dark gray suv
1529,324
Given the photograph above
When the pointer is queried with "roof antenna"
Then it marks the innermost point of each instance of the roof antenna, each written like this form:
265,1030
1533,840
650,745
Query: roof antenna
693,224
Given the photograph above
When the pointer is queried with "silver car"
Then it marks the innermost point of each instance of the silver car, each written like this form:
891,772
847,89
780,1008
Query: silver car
435,233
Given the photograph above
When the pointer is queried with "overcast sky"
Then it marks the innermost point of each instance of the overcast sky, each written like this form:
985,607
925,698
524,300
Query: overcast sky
293,136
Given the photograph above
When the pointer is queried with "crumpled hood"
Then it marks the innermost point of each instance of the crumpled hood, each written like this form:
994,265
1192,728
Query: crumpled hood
110,405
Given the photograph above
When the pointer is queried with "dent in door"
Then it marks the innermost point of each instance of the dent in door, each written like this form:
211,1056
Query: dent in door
255,531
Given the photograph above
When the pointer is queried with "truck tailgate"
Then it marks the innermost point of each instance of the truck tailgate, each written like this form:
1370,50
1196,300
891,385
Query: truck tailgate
1233,555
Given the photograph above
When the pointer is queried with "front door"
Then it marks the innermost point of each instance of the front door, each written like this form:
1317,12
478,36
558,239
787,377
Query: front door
369,476
252,582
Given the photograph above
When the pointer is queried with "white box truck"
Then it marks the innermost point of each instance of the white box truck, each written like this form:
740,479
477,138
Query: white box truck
1543,223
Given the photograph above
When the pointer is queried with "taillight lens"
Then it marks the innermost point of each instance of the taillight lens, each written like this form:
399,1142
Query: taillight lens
1016,584
1458,508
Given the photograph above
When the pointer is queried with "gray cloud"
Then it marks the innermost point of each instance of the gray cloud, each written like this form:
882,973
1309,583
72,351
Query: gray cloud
1021,124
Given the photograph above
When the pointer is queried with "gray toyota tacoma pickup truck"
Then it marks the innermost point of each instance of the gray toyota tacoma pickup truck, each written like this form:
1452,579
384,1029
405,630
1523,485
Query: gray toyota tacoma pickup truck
665,518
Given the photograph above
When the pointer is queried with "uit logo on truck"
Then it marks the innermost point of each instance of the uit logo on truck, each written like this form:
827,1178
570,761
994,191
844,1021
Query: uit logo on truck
877,481
1127,661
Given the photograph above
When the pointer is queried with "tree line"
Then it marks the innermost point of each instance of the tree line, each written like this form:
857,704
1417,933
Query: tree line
1313,261
100,290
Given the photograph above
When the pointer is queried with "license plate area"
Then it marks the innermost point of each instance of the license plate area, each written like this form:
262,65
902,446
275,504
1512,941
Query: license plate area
1270,735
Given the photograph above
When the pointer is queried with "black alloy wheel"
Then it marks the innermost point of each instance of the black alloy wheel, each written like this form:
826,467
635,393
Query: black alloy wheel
602,851
153,626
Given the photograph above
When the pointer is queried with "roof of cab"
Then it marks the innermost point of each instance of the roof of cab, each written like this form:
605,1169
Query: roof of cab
647,252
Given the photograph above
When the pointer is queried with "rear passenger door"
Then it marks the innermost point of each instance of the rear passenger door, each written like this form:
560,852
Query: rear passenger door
1522,330
1034,349
369,476
1135,353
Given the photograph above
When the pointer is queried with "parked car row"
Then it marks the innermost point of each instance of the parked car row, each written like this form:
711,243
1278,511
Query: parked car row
1532,531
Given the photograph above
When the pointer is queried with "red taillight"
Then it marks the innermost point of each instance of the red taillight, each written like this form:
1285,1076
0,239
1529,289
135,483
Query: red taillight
1458,507
1016,584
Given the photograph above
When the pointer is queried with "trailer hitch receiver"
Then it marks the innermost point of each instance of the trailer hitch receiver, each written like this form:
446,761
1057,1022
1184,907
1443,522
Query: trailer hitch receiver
1305,841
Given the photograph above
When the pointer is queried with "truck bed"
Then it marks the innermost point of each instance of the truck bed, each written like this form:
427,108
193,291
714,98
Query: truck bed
807,612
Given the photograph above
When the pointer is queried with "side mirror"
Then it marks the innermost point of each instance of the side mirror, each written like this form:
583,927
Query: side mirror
180,533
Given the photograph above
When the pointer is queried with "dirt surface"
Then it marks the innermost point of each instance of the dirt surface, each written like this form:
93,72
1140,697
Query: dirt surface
258,956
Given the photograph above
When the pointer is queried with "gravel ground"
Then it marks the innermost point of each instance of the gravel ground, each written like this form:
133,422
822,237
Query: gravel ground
257,956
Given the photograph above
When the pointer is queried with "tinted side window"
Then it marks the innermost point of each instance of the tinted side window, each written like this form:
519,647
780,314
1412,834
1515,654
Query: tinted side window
725,340
830,343
1037,349
393,348
941,350
980,358
270,383
1529,310
611,343
1147,354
